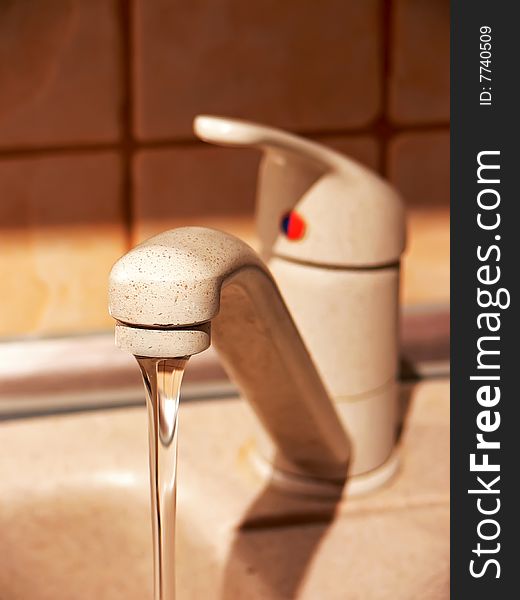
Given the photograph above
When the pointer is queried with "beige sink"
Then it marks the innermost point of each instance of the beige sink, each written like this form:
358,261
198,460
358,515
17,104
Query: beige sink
74,513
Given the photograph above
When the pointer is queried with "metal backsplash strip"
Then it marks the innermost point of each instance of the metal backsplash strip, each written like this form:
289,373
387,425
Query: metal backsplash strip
71,374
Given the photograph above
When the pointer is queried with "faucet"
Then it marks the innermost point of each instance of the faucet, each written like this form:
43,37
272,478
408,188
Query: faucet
311,337
179,290
332,233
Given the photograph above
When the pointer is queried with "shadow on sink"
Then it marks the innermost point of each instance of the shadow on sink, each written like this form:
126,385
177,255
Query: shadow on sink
283,573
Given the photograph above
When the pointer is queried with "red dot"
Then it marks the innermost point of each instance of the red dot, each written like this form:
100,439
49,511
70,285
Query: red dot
293,226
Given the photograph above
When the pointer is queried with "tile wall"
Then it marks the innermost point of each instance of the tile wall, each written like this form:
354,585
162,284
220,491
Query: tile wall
98,96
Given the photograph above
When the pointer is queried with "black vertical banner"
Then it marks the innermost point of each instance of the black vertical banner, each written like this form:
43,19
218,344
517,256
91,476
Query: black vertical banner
485,254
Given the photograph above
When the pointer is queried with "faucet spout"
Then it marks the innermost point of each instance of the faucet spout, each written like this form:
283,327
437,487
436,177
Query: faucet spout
164,294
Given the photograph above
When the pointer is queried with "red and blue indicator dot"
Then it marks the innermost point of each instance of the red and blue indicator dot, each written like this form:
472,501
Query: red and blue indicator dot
293,225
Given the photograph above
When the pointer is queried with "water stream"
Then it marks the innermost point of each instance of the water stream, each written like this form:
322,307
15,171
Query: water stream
162,380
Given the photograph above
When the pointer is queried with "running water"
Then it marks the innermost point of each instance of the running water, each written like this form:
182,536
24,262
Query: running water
162,380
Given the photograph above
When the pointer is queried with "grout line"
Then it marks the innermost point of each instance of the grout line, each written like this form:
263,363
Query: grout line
387,39
387,14
53,150
130,145
126,115
375,128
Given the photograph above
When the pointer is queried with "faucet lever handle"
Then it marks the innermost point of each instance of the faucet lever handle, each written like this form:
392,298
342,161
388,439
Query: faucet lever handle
238,133
314,205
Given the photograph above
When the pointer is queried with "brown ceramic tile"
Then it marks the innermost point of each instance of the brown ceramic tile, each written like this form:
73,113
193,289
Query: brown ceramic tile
64,85
419,165
60,231
364,149
420,62
300,65
426,266
191,185
206,185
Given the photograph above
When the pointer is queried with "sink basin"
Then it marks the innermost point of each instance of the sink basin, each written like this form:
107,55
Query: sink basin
74,512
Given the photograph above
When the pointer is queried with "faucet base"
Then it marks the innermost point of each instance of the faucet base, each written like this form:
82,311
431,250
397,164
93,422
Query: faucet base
365,483
372,419
355,485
